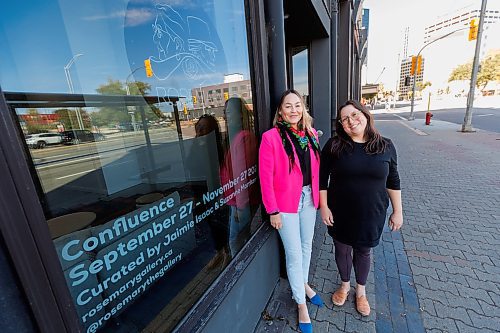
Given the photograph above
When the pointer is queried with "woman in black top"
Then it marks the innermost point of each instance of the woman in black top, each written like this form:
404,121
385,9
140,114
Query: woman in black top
358,177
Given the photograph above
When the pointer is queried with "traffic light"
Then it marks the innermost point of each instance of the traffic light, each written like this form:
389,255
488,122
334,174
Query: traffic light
194,99
419,64
416,65
149,70
473,29
185,109
413,65
226,96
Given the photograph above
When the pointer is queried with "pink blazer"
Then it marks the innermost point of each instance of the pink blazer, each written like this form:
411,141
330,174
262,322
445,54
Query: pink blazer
281,189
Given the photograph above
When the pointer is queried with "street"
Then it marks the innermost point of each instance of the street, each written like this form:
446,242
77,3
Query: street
59,165
485,114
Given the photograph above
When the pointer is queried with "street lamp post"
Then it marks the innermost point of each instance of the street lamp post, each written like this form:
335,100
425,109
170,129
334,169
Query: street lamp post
131,109
411,116
70,86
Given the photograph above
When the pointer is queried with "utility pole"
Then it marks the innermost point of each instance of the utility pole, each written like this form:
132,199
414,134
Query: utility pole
467,125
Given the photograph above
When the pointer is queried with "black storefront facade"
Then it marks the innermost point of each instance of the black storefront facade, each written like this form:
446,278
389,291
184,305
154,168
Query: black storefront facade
131,203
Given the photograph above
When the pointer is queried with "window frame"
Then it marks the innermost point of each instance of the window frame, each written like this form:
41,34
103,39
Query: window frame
36,262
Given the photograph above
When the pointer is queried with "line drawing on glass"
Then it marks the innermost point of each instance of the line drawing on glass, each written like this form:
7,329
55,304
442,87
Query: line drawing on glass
181,43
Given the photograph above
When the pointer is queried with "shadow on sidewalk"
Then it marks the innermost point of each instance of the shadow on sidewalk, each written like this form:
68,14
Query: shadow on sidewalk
390,290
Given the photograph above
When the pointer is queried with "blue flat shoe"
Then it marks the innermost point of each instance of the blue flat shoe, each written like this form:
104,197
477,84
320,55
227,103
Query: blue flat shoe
316,300
306,327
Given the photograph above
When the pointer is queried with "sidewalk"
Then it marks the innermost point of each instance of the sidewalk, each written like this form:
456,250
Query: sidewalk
441,273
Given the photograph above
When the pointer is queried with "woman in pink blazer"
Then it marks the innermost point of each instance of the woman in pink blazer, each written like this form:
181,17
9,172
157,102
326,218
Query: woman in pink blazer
289,173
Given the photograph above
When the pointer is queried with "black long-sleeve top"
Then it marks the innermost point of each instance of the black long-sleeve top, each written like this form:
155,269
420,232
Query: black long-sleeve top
304,161
357,184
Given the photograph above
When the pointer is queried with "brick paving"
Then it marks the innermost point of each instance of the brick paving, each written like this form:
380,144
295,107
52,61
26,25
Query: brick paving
441,273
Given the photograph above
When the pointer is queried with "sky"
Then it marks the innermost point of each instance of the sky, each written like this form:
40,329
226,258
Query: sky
115,37
189,42
388,20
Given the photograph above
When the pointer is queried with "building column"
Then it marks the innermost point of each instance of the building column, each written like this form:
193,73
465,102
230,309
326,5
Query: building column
344,51
320,83
334,12
275,26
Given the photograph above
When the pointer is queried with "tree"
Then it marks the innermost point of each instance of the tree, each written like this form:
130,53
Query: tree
461,72
422,85
34,122
67,118
112,87
120,114
489,70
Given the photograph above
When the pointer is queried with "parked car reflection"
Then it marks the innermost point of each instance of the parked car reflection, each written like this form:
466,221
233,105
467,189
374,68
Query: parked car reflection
41,140
76,136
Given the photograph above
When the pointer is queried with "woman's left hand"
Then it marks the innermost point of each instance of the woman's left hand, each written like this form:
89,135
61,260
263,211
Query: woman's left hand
395,221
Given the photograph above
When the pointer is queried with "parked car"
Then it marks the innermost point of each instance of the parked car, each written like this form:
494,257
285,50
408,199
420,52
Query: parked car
76,136
41,140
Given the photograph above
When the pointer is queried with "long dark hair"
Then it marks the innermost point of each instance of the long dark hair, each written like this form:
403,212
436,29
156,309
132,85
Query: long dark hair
211,126
375,143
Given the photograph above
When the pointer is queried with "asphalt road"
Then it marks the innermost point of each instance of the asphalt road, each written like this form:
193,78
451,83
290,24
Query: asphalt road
482,118
59,165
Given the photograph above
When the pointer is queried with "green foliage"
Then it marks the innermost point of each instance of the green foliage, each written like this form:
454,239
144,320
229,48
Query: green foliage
112,87
422,85
489,71
34,125
461,72
110,116
67,118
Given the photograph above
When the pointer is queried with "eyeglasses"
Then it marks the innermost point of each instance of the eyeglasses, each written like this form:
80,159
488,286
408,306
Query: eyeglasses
354,116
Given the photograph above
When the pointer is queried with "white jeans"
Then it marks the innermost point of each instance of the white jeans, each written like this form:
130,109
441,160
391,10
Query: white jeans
297,234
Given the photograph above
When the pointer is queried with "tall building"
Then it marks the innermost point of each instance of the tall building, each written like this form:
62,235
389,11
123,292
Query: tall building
365,24
447,53
406,85
456,20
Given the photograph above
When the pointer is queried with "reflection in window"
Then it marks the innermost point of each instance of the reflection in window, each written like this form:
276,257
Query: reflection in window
148,191
300,65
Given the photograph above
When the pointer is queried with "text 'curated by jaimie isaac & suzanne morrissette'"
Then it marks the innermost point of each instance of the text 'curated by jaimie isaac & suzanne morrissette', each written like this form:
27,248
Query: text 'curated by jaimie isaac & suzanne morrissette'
130,253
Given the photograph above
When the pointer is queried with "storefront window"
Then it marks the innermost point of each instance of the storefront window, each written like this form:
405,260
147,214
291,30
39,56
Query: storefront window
300,65
149,191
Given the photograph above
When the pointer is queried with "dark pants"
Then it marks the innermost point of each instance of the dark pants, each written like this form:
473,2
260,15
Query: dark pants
346,256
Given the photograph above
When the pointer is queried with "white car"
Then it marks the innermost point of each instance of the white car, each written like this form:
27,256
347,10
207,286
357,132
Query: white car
41,140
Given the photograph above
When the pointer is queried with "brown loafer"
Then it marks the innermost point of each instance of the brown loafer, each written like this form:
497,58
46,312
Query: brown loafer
362,305
339,297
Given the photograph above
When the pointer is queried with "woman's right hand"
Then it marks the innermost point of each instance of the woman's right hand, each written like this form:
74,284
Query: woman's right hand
276,221
326,216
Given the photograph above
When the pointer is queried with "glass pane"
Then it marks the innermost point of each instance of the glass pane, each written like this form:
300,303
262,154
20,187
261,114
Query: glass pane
143,147
300,65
